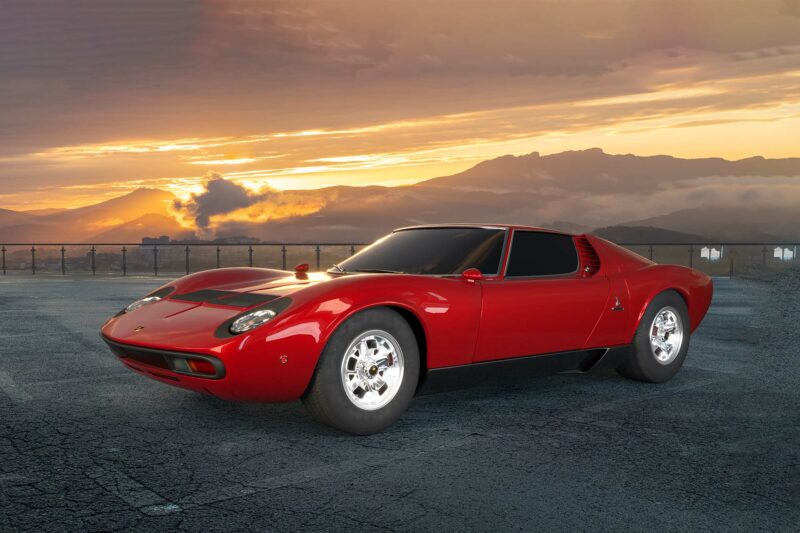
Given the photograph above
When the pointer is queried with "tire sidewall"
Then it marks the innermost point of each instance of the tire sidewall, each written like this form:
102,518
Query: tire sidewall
648,366
327,382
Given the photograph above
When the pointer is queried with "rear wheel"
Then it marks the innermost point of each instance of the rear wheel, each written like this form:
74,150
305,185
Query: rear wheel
661,341
367,374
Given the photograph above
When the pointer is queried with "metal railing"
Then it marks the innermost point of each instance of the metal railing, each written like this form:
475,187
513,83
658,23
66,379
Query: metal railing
721,258
155,258
716,258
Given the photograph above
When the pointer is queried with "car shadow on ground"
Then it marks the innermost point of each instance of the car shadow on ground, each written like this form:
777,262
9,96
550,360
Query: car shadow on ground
452,409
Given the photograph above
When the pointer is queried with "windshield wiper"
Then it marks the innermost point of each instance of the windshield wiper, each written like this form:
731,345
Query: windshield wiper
337,268
378,271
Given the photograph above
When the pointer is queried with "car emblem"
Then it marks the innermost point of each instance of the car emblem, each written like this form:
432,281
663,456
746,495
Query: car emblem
138,328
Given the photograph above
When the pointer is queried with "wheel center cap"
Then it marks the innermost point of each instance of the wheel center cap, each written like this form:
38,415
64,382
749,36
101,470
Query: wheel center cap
373,370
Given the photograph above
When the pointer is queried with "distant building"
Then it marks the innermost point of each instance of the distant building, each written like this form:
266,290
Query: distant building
785,253
712,254
237,239
164,239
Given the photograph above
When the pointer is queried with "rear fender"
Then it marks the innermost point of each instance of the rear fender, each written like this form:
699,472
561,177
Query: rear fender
695,287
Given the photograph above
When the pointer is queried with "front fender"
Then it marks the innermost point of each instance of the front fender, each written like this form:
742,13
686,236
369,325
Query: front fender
448,310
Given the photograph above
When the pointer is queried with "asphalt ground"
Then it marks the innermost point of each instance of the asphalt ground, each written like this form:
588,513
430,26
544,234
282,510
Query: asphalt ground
87,445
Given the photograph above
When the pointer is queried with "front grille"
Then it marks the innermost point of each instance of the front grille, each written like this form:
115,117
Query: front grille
146,357
173,361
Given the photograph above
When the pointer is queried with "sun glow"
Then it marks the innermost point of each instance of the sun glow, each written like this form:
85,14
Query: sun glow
144,147
221,162
686,119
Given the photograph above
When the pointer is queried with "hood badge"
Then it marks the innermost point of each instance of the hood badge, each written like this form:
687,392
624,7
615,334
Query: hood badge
138,328
617,305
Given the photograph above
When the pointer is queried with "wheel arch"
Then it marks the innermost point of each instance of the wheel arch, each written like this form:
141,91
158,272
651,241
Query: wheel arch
406,313
422,340
683,293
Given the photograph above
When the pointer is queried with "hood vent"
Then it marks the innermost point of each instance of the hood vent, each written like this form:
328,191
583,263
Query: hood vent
229,298
590,261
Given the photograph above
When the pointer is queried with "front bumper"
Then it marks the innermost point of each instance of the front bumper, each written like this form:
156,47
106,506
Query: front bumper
272,363
185,363
246,369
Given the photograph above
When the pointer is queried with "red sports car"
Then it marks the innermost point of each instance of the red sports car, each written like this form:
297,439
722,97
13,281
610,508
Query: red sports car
422,308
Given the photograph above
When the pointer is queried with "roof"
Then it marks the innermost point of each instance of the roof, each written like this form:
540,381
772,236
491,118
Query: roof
482,225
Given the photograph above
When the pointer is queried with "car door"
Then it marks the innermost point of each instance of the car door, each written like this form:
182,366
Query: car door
543,303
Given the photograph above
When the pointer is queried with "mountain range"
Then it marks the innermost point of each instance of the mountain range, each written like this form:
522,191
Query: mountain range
623,197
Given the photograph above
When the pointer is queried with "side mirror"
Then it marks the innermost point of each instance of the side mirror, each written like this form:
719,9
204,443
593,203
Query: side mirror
472,275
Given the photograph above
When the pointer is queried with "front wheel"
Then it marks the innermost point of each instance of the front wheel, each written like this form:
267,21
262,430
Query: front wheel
367,374
661,341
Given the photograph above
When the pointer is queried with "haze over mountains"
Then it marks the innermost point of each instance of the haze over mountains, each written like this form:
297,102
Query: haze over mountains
653,198
133,215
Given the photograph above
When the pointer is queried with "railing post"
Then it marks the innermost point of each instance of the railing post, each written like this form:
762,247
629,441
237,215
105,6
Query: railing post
691,255
250,255
764,256
187,259
283,256
218,256
650,252
155,260
730,273
63,262
353,250
124,261
33,260
4,260
316,249
94,261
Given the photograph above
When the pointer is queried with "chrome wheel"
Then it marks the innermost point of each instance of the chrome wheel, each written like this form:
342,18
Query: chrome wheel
666,335
372,369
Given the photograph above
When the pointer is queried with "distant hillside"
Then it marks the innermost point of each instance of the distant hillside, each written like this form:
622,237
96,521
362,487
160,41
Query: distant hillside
627,196
82,223
735,222
595,171
645,234
9,217
150,225
579,189
46,211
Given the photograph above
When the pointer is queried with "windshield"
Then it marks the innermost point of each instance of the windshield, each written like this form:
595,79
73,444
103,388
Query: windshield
436,251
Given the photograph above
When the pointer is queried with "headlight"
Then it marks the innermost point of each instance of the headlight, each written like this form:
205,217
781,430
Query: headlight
139,303
252,320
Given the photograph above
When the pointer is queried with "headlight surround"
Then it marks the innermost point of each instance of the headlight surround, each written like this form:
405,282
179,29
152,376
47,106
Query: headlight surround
252,320
139,303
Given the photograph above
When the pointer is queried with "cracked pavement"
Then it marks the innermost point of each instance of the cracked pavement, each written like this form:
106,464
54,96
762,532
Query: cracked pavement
88,446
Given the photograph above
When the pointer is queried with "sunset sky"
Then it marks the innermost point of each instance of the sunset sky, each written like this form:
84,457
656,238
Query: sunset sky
99,98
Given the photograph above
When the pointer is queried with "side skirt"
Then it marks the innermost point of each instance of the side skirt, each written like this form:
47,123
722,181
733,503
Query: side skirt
463,376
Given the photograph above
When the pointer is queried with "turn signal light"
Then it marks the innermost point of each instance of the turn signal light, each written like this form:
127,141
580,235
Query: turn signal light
201,366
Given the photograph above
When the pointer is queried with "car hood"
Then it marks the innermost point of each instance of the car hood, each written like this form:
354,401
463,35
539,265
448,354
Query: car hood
190,315
285,285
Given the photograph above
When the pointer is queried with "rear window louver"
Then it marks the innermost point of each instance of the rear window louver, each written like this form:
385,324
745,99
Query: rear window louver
590,261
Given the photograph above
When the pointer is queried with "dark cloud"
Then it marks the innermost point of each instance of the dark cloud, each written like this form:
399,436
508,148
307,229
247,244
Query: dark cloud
220,196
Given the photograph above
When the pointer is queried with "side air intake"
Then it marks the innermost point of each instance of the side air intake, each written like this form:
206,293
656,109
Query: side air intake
590,261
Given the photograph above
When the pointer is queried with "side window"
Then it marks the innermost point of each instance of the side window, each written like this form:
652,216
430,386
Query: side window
536,253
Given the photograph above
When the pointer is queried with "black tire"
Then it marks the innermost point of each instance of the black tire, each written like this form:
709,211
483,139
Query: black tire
642,363
326,398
